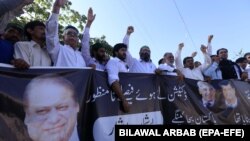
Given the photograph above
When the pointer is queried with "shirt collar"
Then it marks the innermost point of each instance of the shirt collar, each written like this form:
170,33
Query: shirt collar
232,105
116,58
171,65
205,102
95,60
145,61
33,43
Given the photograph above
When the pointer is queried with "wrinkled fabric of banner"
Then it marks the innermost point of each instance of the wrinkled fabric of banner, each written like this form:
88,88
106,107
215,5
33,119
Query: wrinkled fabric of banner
154,100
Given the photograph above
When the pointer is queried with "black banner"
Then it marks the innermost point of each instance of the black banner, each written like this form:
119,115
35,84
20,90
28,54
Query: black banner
78,104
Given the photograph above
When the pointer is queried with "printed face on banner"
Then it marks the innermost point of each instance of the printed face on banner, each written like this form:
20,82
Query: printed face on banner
229,94
207,91
51,113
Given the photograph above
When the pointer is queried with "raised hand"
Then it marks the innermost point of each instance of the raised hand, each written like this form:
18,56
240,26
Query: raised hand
57,5
60,3
91,17
210,37
130,30
181,45
194,54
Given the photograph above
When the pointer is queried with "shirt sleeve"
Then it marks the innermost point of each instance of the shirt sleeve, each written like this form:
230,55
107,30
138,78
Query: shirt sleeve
85,47
129,58
178,62
166,68
52,39
211,69
209,49
22,52
207,62
113,71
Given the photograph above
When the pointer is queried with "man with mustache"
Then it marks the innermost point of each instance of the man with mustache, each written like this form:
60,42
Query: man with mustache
144,64
98,51
12,34
114,66
32,52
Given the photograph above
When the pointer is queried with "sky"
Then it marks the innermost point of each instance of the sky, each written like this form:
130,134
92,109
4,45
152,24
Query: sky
163,24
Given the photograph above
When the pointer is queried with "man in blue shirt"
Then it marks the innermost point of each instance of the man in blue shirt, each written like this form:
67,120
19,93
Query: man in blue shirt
12,34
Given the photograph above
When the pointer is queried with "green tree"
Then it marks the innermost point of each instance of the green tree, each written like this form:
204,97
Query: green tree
40,10
106,45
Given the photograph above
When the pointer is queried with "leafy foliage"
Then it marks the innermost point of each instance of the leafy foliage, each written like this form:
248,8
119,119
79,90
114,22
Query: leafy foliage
104,43
40,10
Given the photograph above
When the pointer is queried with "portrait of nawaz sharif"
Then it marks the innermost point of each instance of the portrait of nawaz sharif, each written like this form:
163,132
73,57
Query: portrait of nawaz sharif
51,108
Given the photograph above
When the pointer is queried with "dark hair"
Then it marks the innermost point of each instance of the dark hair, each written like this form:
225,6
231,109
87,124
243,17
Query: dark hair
211,56
18,27
160,61
117,47
71,27
218,51
96,46
167,53
31,25
144,47
196,62
241,60
186,58
224,83
246,54
52,79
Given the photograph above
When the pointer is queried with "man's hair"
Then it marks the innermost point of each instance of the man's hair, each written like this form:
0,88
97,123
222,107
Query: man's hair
117,47
31,25
185,59
197,62
201,84
211,56
160,61
241,60
218,51
96,46
144,47
70,27
166,54
49,79
246,54
15,26
225,83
